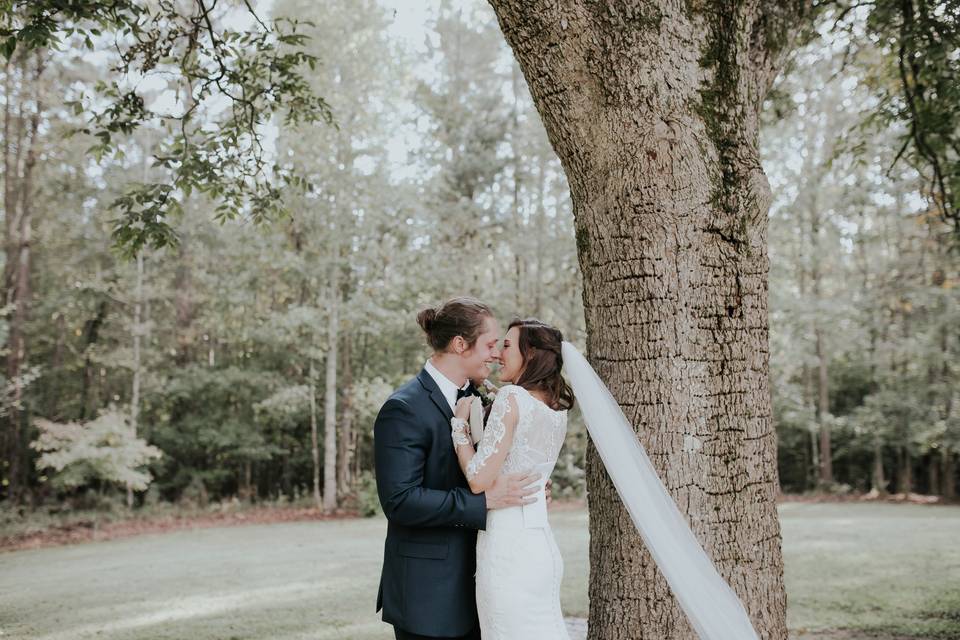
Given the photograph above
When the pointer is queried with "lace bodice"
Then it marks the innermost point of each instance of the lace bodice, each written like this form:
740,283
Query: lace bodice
538,438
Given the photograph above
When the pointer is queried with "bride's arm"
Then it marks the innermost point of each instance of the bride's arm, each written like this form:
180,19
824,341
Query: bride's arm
481,467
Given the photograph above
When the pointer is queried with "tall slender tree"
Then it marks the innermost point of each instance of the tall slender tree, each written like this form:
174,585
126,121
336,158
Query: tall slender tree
23,113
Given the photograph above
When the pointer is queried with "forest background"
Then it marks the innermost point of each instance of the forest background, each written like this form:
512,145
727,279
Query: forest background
246,362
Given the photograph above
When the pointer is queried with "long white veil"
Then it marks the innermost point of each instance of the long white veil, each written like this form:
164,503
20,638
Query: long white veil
714,610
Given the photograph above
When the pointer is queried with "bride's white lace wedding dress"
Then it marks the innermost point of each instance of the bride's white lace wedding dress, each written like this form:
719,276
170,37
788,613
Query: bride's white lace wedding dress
519,568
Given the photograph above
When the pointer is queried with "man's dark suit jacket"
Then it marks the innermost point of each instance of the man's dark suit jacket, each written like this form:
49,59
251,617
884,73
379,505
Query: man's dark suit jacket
429,558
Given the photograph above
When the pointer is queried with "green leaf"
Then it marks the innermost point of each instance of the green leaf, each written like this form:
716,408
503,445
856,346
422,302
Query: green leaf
9,46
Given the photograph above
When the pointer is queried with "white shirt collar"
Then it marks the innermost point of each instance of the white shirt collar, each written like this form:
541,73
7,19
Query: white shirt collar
447,386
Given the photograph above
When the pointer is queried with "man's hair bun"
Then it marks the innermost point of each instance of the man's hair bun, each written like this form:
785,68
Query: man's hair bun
426,318
461,316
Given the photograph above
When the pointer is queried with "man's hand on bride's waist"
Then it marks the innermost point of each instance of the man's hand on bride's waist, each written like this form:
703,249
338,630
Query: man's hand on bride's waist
513,490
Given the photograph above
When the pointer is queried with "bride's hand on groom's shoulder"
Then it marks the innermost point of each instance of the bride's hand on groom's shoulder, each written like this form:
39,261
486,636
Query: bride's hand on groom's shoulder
512,490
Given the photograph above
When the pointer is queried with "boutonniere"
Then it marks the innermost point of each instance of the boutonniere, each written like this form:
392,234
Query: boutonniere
487,391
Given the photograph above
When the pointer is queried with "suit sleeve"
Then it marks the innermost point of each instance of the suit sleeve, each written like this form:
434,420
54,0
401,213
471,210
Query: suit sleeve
400,445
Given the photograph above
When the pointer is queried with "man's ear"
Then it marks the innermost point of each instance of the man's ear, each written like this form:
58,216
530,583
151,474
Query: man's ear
459,345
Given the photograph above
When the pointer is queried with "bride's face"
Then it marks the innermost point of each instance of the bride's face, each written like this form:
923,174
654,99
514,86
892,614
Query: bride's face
510,358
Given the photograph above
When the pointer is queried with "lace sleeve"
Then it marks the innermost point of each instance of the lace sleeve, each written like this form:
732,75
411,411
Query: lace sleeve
495,429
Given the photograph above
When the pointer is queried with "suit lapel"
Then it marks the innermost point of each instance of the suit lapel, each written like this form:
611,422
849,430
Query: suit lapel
435,394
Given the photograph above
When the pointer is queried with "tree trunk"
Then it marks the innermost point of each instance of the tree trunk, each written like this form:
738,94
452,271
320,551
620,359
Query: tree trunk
654,113
813,471
330,399
20,158
11,155
933,473
314,439
822,406
135,391
519,260
806,372
346,440
905,472
949,484
878,481
183,302
247,492
823,412
540,224
90,399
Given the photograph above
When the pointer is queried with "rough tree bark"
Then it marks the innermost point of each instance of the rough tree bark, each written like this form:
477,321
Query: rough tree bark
653,109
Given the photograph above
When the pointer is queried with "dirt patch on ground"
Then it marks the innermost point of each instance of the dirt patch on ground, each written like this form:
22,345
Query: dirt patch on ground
91,530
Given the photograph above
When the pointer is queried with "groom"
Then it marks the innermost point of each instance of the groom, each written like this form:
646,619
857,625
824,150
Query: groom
429,561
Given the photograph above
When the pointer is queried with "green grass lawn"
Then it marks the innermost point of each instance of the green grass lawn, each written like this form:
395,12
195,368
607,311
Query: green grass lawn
893,569
885,568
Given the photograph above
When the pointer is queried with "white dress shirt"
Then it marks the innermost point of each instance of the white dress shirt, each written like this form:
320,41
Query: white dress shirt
447,387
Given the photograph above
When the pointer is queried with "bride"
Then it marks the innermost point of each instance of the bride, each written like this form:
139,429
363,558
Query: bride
519,568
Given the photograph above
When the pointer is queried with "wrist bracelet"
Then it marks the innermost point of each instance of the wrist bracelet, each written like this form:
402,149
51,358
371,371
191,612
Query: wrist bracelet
458,431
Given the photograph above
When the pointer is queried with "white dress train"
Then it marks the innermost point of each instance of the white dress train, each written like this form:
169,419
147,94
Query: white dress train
519,568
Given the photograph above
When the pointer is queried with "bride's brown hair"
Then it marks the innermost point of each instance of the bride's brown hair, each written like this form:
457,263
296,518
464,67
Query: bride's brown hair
539,345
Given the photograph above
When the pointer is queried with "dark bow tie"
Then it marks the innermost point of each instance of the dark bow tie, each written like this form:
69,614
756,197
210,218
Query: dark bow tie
469,391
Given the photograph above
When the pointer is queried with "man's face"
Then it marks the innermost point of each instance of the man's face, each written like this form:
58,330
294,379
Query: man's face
479,358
